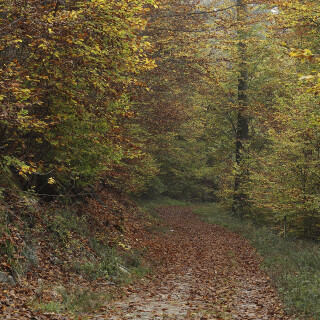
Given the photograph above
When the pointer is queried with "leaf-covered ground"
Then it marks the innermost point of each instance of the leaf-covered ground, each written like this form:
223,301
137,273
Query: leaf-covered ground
63,278
203,272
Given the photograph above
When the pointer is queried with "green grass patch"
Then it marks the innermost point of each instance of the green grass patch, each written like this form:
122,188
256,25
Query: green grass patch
292,264
51,306
115,266
78,301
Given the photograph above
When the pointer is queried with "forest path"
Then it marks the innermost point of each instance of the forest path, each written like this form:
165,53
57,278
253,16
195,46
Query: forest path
204,272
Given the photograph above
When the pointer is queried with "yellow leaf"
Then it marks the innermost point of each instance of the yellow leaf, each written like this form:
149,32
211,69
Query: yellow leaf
51,181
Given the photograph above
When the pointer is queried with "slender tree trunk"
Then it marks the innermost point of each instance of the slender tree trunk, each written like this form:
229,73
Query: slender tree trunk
242,129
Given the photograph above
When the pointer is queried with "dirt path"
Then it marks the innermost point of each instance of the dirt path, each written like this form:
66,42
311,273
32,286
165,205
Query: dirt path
204,272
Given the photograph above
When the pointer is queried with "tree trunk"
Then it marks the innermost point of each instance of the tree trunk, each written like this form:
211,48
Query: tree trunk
242,129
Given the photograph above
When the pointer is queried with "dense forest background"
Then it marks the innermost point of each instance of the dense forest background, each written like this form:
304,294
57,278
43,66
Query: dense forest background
111,109
205,101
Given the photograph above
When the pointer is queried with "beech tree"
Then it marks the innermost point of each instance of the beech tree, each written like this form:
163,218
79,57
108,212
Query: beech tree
67,70
202,100
284,178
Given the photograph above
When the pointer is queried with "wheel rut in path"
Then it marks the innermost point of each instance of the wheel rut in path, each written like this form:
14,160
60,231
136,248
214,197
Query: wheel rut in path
204,272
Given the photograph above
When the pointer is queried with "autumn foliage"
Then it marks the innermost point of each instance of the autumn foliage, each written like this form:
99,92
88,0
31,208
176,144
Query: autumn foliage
67,70
151,97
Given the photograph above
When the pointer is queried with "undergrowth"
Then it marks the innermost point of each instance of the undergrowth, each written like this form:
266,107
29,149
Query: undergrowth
61,239
77,301
292,264
98,259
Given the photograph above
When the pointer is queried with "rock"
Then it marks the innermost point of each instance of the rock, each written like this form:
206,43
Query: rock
124,270
5,278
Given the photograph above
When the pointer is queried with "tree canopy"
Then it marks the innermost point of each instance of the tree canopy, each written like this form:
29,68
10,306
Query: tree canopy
213,101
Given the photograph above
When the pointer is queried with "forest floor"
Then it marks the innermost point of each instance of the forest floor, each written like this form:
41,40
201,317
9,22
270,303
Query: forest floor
203,271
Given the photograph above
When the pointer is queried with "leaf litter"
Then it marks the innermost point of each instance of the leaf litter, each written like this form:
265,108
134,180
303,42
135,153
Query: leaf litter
202,272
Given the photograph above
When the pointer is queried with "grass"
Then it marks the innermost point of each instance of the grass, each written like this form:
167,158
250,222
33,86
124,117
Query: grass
118,267
76,302
293,265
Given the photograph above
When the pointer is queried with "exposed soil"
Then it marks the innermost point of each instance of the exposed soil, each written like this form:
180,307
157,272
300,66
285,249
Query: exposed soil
203,272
